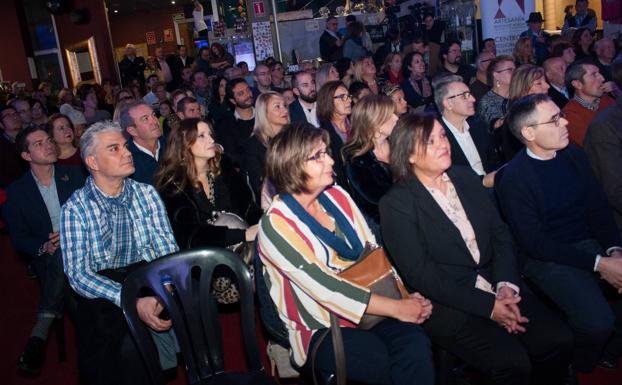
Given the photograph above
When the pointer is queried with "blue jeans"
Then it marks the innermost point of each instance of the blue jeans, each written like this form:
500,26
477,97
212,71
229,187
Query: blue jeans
579,296
392,352
49,268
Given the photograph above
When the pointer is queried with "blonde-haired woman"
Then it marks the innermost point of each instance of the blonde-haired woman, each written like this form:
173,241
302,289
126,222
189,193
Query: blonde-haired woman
365,71
271,115
366,153
523,51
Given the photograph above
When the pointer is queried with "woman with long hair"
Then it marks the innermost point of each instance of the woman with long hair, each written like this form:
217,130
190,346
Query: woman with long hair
219,57
582,42
195,181
219,104
326,73
353,47
365,71
271,115
523,51
60,128
392,68
334,105
367,153
345,68
416,85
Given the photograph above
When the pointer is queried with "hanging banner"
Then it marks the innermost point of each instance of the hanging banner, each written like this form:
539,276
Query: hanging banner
504,21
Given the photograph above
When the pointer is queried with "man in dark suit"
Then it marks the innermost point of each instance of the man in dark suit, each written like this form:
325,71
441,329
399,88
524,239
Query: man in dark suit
304,108
32,213
555,72
132,66
448,242
331,43
471,144
147,144
178,62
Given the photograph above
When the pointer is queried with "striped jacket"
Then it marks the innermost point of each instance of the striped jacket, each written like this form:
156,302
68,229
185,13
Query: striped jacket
300,272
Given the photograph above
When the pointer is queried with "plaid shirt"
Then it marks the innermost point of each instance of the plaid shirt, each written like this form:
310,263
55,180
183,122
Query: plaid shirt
98,232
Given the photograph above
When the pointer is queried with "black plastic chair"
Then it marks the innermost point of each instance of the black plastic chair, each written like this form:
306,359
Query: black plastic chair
183,281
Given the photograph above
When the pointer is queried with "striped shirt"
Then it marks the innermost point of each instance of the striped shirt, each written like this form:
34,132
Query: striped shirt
301,272
92,225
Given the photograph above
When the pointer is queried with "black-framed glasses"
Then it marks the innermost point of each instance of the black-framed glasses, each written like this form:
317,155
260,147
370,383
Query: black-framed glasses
555,120
320,155
343,97
465,95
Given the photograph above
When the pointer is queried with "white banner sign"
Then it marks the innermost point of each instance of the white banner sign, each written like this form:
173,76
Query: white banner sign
504,20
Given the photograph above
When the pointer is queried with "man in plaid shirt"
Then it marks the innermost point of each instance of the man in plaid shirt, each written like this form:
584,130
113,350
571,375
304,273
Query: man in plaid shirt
108,228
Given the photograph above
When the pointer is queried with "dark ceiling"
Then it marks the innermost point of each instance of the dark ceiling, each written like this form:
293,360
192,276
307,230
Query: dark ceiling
128,7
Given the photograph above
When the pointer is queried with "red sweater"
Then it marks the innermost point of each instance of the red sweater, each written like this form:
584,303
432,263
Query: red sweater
579,117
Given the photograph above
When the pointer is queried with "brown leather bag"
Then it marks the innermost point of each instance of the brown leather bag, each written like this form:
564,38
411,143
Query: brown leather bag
374,271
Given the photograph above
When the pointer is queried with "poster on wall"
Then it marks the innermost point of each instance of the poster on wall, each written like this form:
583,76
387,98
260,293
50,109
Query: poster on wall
262,37
151,38
504,21
168,35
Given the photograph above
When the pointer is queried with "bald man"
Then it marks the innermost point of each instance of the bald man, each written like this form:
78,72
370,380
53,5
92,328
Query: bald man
555,71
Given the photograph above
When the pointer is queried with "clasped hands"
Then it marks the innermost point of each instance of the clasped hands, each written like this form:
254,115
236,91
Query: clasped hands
506,311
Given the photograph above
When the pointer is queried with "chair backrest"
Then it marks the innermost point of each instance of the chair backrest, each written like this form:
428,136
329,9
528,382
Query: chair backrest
183,282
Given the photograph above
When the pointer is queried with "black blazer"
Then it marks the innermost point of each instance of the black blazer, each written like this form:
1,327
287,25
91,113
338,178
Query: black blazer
296,112
329,51
335,147
130,70
369,180
253,164
557,97
412,97
25,212
431,256
189,210
483,143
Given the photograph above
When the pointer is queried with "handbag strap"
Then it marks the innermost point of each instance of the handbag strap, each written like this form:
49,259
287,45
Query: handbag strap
339,245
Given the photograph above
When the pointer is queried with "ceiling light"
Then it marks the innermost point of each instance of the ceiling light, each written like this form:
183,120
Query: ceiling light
172,1
116,11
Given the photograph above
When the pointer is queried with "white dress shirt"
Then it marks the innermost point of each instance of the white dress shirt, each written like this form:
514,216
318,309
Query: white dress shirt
466,143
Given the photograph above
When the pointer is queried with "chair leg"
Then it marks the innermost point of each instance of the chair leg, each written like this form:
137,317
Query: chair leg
59,329
445,364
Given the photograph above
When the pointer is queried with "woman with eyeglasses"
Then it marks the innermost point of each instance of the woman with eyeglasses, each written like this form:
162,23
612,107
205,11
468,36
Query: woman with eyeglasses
367,153
447,240
334,105
311,232
271,115
416,85
493,106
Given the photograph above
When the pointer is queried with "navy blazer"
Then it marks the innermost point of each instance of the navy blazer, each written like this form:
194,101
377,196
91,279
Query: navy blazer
25,212
483,143
296,112
431,256
145,166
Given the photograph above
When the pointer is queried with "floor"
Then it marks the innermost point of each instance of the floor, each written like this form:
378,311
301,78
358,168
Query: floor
16,322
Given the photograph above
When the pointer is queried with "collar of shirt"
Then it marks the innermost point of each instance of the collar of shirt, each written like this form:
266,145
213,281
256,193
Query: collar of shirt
41,185
237,116
593,106
454,130
334,34
105,200
157,153
536,157
562,90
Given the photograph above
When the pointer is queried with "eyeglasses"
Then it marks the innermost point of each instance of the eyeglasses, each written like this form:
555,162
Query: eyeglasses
555,120
343,97
511,69
465,95
320,155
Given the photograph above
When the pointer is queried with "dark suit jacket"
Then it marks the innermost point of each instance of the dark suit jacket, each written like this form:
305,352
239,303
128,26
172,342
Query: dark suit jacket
132,70
145,166
296,112
431,256
329,51
25,212
412,97
557,97
176,65
369,179
483,143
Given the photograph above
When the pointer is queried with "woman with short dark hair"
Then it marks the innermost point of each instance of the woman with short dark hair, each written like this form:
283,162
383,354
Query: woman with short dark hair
446,237
311,232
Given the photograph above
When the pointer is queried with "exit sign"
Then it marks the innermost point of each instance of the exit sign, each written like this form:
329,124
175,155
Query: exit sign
258,8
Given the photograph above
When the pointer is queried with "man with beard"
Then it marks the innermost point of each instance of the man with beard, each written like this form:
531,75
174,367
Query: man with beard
236,126
304,108
451,57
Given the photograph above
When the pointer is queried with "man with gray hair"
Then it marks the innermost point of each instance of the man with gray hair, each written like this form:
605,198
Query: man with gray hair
564,228
108,228
471,144
140,122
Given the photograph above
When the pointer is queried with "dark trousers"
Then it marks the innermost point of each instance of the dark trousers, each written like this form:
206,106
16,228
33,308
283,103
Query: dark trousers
49,268
392,352
580,297
107,353
539,356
